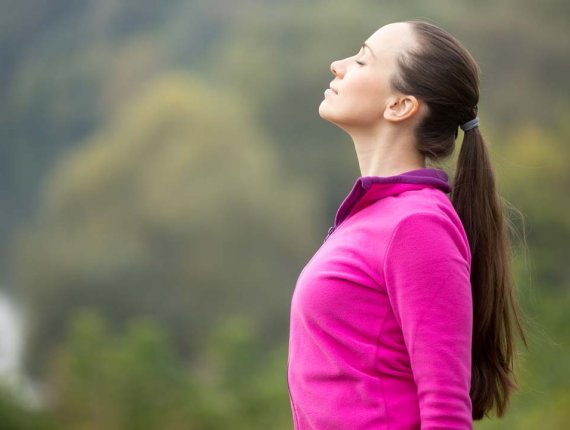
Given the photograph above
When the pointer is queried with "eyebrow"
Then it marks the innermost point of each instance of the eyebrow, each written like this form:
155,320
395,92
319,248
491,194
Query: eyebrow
364,45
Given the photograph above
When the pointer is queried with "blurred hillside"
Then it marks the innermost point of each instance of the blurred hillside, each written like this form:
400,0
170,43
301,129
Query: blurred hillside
164,162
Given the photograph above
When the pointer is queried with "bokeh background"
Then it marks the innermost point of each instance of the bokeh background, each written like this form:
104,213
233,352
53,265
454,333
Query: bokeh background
165,176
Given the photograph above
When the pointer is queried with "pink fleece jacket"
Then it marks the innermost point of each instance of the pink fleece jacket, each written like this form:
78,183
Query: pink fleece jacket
381,315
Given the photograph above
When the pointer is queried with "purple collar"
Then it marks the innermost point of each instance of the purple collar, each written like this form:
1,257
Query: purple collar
426,176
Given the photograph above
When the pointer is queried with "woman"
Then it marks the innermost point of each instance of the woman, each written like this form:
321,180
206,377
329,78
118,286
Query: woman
405,317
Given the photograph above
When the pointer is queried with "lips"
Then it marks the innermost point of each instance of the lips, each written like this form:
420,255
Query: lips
333,88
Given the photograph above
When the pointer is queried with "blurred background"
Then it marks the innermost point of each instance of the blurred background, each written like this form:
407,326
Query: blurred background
165,176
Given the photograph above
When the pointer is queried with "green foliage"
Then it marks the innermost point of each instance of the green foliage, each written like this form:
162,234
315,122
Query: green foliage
129,381
133,380
544,396
14,416
532,166
167,207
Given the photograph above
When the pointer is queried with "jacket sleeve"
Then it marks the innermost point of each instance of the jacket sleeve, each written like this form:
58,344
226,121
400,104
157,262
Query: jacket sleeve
427,275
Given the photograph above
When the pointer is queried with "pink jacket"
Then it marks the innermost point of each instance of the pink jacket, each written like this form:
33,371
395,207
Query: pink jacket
381,315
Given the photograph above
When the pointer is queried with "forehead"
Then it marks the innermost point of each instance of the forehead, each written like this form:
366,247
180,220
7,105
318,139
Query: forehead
391,39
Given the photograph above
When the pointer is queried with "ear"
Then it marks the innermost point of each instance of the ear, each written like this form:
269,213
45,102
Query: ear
401,107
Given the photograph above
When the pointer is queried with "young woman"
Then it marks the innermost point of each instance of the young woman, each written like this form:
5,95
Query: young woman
405,317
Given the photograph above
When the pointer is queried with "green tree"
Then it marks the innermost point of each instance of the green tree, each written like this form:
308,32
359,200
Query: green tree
180,210
132,379
15,416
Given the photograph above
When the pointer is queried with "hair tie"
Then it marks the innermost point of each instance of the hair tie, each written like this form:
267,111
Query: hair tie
470,124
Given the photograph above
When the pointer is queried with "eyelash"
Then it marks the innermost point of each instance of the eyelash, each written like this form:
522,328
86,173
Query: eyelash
360,62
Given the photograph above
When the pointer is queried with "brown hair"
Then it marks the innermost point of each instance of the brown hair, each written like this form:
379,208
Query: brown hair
442,73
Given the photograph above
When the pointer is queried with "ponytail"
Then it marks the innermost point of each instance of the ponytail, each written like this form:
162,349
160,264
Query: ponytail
495,307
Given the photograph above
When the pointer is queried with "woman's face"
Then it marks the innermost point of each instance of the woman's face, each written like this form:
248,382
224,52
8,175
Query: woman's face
361,88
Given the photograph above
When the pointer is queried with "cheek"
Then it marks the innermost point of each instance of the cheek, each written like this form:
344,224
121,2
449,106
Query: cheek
368,95
377,86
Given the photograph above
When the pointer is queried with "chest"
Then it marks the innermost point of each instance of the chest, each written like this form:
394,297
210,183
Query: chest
342,285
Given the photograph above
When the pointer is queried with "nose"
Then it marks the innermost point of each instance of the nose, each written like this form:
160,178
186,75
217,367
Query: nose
335,67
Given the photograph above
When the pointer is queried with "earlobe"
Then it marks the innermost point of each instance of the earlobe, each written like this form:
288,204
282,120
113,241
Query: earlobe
400,108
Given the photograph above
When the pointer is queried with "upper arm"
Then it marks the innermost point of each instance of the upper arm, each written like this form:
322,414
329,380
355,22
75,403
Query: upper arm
428,282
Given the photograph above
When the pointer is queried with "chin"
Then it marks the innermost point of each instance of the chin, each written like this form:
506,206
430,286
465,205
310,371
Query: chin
324,112
327,113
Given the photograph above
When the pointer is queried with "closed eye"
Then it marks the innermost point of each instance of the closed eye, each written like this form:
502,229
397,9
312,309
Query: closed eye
360,62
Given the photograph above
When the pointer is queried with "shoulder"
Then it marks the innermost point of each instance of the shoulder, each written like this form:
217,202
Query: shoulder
426,222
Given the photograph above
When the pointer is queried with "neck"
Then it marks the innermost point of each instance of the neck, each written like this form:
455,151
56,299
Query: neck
386,151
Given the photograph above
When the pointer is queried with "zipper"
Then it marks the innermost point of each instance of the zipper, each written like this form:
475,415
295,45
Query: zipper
346,206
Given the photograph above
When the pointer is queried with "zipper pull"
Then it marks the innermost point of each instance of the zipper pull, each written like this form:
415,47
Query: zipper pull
331,229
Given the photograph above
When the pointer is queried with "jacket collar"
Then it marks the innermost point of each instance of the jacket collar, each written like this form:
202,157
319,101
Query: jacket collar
370,188
436,178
